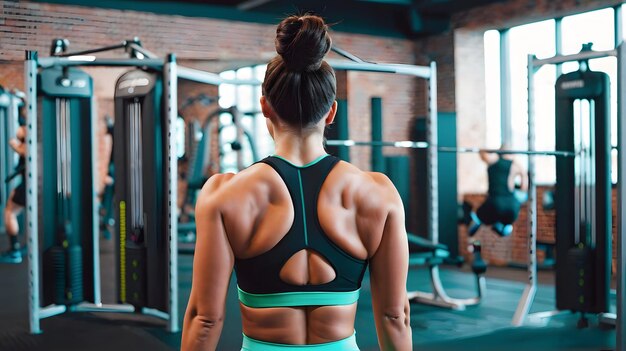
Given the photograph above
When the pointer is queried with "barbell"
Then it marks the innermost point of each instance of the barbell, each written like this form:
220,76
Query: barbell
424,145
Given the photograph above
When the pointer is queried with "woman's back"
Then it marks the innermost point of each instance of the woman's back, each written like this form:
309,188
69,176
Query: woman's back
299,238
258,211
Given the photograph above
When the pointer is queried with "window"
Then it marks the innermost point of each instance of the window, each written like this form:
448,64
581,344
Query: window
623,11
597,27
590,27
525,40
492,87
257,142
179,130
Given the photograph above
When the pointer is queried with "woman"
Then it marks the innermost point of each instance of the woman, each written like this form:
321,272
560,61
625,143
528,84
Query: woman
299,227
16,200
502,206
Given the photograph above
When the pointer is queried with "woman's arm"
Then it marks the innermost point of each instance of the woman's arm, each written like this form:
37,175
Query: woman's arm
212,268
488,158
107,151
521,172
388,275
18,144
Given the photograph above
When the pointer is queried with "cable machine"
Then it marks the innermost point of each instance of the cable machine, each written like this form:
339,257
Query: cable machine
66,204
236,151
582,230
62,209
583,192
146,110
140,158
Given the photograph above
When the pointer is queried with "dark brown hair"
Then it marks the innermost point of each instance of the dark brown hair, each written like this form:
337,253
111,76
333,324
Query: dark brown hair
299,85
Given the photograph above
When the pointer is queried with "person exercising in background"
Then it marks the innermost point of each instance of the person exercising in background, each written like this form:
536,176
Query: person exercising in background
299,227
17,198
502,206
107,186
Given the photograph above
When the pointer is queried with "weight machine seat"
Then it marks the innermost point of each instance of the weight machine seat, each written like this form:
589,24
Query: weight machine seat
425,252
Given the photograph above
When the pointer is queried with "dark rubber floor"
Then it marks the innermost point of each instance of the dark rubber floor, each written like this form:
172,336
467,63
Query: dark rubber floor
485,327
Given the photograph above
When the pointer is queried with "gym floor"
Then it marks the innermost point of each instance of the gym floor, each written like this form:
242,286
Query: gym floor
485,327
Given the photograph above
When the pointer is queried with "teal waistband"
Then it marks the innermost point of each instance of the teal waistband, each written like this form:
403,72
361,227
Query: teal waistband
300,298
347,344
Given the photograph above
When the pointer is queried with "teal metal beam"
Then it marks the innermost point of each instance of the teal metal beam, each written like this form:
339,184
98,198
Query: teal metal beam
378,160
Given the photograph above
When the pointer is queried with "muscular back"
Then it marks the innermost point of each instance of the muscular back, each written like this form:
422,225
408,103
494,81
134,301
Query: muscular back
356,210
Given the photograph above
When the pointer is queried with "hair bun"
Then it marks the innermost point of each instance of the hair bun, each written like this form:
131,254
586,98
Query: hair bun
302,42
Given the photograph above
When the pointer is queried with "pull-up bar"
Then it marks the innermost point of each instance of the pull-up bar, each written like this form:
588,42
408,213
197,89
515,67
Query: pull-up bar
424,145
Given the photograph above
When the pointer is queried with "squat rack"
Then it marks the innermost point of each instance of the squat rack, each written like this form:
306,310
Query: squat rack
438,297
171,73
530,290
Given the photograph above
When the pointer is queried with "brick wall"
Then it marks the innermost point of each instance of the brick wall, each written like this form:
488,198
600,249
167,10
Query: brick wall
506,14
470,107
438,48
514,248
203,43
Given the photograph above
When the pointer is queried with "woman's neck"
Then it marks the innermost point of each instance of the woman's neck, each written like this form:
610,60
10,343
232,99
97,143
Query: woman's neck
300,149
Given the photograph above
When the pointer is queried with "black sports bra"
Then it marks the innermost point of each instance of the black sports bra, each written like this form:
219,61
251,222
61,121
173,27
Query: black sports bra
258,277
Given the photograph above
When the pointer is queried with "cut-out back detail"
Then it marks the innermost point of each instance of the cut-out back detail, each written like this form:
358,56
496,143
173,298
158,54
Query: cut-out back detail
261,275
307,267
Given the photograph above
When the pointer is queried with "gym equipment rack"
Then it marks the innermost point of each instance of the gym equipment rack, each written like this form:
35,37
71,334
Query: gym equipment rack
171,72
525,302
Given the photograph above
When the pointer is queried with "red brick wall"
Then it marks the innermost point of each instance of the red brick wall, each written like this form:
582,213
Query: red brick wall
514,249
438,48
32,26
506,14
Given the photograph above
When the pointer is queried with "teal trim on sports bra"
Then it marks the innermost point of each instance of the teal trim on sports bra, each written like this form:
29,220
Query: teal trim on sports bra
347,344
299,298
306,234
303,166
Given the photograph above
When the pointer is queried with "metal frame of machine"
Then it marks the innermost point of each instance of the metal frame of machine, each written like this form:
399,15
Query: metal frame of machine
171,73
525,302
438,296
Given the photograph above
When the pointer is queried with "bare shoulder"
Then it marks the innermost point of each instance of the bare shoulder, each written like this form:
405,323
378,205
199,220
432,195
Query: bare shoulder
373,191
229,189
213,186
517,165
384,188
374,200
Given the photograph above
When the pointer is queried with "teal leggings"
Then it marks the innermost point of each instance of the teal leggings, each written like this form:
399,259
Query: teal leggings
347,344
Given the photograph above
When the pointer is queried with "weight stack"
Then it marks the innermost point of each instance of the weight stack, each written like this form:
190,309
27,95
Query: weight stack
66,229
140,188
583,223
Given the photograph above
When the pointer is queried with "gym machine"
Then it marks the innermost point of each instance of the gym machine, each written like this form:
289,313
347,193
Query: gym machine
66,205
141,189
54,83
10,103
583,223
107,222
235,143
424,252
583,192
